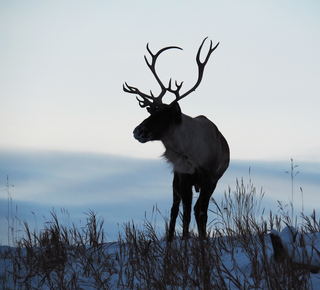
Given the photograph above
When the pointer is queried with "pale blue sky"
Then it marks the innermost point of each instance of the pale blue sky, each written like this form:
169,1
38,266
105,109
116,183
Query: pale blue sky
63,64
65,119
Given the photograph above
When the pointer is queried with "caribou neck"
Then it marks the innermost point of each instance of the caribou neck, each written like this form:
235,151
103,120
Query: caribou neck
176,143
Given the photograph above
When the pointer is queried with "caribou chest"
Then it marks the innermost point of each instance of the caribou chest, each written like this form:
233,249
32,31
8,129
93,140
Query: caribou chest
181,148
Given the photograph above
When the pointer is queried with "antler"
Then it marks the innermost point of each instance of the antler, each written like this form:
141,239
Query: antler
151,101
201,66
146,99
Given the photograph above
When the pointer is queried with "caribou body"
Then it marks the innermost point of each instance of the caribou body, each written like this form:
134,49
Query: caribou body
195,147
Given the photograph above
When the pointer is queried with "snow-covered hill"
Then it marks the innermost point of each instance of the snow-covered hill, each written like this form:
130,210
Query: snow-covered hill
140,260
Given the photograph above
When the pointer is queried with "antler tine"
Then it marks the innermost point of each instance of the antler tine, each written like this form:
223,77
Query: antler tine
201,66
153,70
146,99
177,90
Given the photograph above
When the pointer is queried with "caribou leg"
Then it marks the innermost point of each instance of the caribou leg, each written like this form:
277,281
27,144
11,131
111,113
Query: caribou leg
182,190
175,205
186,195
202,204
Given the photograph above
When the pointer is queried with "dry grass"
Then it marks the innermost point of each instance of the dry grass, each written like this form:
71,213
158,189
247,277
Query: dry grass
60,257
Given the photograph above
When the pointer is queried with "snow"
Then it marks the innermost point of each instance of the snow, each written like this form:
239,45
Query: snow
112,262
302,248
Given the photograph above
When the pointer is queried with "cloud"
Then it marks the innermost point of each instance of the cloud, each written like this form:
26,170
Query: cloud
61,176
122,189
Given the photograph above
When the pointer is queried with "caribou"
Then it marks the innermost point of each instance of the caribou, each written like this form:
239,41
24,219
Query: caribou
198,152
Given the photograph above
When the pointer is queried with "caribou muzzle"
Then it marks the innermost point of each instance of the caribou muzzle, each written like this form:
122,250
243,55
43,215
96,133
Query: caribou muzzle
142,134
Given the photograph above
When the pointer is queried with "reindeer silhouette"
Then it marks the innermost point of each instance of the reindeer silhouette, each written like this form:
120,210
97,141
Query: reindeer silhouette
194,146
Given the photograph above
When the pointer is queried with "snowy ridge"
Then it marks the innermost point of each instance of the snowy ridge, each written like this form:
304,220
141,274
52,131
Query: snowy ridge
144,261
302,249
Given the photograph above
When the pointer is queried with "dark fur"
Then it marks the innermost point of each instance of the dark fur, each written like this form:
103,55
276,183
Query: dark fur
199,155
194,146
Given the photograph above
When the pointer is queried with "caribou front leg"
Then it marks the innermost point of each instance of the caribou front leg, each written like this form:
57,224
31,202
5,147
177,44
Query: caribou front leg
186,195
175,206
182,190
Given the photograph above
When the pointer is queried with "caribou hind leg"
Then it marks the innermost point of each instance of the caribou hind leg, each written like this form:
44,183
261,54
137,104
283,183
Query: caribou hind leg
202,204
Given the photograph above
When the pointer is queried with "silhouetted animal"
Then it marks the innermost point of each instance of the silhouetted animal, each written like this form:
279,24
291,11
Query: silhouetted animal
194,146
